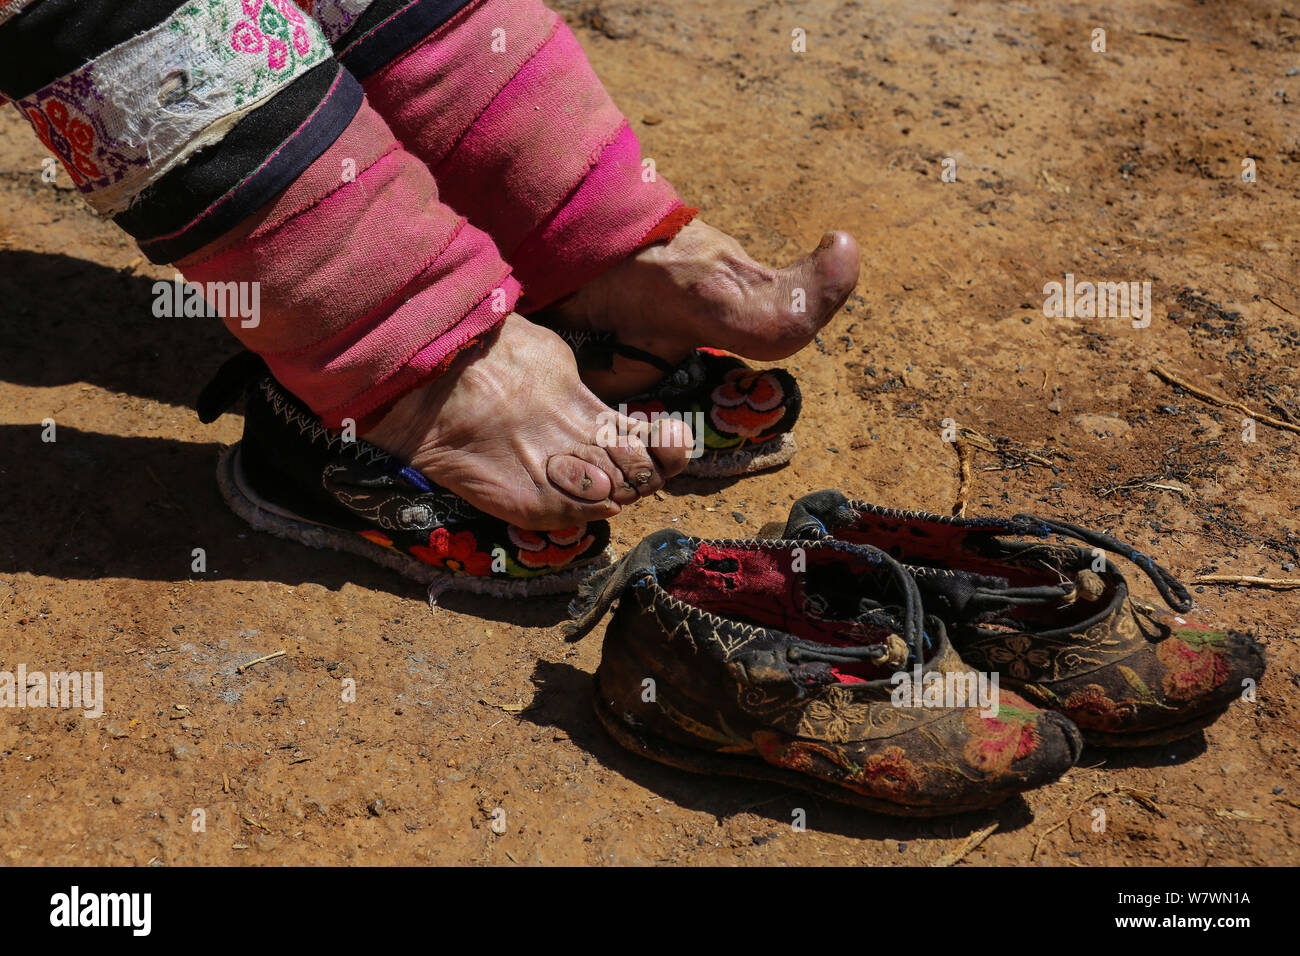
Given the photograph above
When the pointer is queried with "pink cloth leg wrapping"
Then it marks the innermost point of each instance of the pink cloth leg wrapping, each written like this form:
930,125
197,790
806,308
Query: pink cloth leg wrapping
369,285
503,106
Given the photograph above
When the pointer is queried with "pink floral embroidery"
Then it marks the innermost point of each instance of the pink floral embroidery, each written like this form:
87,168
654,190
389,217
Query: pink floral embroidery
247,38
284,25
279,53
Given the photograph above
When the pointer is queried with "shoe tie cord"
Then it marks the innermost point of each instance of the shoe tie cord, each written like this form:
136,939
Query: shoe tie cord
1170,588
913,615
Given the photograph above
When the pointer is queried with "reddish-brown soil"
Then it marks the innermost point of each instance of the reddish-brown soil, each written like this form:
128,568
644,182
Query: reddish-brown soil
1124,165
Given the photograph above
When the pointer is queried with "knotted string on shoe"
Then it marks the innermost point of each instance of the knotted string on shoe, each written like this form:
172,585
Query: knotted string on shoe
815,514
913,630
1170,588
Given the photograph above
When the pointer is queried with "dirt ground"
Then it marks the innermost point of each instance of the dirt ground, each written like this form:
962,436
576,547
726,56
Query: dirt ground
1124,165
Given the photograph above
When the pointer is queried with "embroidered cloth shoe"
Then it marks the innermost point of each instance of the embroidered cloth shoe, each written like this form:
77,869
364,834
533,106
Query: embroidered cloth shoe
776,660
295,478
743,417
1055,620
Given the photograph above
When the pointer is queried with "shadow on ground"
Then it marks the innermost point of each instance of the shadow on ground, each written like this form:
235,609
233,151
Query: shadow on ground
88,506
67,320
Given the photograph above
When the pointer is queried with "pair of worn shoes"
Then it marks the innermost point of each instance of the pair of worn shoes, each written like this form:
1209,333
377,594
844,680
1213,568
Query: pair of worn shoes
903,662
852,652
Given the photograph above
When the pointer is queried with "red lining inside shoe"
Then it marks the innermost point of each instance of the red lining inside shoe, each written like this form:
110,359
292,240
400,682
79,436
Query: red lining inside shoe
760,586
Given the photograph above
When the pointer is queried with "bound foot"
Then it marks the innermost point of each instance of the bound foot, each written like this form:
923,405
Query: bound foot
701,289
513,431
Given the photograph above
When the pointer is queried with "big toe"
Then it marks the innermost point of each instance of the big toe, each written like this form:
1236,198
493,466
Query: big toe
829,273
805,297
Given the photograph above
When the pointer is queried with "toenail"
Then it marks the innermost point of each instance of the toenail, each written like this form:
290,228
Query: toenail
643,478
586,482
827,241
627,487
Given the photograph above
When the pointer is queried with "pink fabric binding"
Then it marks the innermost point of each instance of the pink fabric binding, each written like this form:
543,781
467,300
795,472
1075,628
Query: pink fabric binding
523,139
368,283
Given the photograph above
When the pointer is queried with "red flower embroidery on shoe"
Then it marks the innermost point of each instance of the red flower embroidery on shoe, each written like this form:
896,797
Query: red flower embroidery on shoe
1091,708
277,54
747,403
301,41
997,742
1191,671
457,552
890,772
271,25
80,135
775,750
550,549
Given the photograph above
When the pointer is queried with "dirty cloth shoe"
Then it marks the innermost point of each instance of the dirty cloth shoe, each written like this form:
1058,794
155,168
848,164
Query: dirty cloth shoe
1055,620
295,478
779,660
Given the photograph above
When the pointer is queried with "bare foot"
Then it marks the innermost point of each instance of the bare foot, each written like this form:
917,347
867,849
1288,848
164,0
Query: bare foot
514,432
701,289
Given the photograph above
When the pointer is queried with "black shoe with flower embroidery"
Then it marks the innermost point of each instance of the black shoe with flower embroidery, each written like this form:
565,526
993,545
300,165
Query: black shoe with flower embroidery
742,417
1055,620
295,478
789,661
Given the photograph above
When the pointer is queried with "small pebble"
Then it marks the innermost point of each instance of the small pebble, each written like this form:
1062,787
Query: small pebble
740,518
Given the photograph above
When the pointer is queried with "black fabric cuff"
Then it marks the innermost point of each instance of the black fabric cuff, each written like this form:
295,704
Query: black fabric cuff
51,38
258,159
390,27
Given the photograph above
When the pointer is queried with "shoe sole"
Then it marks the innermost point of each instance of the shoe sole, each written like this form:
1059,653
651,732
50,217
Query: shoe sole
743,461
677,755
271,518
1153,738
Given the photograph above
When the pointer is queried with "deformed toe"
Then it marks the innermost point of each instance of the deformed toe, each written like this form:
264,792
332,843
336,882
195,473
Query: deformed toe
578,478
